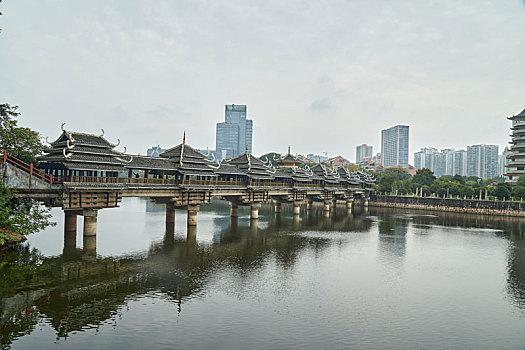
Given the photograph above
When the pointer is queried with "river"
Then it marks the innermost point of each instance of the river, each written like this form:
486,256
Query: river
375,279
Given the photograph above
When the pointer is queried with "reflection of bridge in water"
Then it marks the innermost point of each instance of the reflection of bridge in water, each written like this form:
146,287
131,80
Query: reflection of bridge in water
83,173
77,290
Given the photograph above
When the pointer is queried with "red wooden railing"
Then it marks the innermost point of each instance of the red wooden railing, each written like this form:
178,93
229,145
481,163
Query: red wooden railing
28,168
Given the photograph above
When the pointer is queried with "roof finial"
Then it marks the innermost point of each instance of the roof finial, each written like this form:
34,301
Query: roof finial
289,149
246,147
184,137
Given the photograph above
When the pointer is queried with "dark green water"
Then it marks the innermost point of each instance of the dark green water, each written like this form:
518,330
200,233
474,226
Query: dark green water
381,279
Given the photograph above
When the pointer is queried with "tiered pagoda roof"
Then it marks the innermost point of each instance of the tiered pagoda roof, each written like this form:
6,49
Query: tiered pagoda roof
323,173
189,161
348,176
516,165
80,151
151,163
522,114
253,167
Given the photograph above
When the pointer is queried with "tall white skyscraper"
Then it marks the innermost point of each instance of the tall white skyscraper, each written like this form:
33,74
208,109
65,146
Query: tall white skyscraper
394,146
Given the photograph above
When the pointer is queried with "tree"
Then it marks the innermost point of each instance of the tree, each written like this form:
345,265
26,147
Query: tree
386,180
424,177
518,191
19,216
521,181
20,142
459,179
502,191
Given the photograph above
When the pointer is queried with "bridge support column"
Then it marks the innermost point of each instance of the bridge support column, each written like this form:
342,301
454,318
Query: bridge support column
296,209
90,231
191,235
70,230
192,215
254,213
365,202
170,217
234,210
278,207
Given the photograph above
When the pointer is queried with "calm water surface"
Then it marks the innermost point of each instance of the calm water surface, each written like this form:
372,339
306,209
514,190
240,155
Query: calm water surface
377,279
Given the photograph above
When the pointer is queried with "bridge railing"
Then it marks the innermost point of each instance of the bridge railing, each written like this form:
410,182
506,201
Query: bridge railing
28,168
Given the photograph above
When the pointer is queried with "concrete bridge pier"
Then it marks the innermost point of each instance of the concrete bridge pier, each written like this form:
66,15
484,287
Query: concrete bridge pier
278,207
296,208
90,231
254,213
192,215
70,230
349,205
170,217
191,235
234,210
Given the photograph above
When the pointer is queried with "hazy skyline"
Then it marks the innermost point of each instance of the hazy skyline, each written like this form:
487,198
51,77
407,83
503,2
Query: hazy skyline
319,76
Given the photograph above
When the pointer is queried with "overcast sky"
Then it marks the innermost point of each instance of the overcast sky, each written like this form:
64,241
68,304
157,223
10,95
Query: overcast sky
323,76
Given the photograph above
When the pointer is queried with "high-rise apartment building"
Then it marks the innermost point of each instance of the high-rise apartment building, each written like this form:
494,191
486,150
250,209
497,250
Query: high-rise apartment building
444,162
425,158
460,163
394,146
482,161
362,152
234,135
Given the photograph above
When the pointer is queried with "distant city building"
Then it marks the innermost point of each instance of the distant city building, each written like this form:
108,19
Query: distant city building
503,161
425,158
460,163
445,162
234,135
516,158
316,158
394,146
363,152
482,161
154,151
339,161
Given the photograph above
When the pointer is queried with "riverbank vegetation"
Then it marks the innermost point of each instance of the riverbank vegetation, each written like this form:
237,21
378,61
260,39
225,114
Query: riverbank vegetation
19,217
397,181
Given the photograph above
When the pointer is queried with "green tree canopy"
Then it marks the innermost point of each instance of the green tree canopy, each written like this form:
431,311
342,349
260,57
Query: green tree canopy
502,191
20,142
424,177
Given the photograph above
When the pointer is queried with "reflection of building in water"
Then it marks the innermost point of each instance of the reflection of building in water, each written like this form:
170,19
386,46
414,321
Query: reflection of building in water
516,267
392,236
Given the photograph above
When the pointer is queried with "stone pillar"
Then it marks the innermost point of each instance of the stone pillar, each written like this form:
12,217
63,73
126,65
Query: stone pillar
70,230
192,215
365,202
278,208
170,217
296,209
255,211
90,232
191,235
234,210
